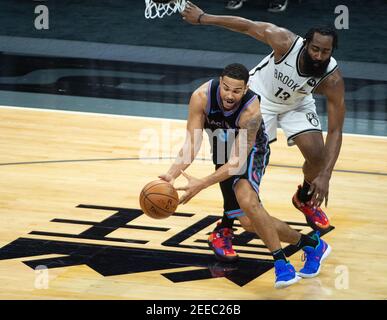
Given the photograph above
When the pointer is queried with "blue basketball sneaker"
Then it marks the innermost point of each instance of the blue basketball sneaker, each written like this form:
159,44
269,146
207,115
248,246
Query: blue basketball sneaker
314,257
285,275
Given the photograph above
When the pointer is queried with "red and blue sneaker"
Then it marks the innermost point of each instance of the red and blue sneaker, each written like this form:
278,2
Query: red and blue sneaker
285,275
315,217
220,241
313,257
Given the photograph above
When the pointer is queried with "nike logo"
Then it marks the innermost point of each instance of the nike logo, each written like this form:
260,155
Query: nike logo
215,111
288,65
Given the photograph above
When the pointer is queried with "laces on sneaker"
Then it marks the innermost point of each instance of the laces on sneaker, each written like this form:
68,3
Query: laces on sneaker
226,237
316,211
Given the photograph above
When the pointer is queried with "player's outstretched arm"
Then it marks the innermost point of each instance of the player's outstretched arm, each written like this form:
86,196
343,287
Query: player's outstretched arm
194,134
279,39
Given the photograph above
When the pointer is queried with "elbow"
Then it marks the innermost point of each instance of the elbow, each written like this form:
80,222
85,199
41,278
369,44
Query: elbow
253,28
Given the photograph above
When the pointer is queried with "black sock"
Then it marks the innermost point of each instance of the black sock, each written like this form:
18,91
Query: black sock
303,192
279,255
307,241
225,223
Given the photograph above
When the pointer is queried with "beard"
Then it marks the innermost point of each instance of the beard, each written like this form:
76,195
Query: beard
312,67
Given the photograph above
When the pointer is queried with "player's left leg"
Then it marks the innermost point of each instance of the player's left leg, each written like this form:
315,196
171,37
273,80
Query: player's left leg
220,240
302,128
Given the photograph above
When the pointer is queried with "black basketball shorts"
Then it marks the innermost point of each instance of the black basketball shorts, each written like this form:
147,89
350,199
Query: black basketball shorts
257,161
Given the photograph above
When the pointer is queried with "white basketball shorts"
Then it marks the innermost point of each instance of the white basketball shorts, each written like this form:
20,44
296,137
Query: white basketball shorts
293,122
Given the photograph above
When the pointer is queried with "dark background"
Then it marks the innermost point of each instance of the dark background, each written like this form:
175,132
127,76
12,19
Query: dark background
123,22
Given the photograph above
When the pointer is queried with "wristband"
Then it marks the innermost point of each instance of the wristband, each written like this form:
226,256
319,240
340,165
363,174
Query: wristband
200,16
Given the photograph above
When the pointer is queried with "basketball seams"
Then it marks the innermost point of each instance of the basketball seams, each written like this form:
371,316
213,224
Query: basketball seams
155,205
154,184
162,194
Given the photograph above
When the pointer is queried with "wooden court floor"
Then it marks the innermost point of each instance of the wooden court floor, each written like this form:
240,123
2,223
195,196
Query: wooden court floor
71,226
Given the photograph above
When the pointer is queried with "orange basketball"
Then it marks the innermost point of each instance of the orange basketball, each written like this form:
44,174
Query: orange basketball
159,199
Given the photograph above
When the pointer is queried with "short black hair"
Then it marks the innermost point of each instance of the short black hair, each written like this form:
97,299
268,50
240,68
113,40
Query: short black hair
236,71
325,31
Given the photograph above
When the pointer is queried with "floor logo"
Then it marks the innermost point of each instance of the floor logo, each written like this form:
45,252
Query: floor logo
116,260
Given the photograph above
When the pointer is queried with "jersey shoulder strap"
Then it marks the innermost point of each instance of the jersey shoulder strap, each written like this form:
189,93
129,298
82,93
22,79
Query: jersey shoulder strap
294,47
332,67
211,95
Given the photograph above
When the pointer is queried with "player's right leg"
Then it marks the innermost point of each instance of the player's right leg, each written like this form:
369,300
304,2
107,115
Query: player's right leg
315,249
246,189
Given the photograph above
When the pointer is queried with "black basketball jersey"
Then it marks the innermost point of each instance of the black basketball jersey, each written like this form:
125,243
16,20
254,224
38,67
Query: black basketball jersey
222,126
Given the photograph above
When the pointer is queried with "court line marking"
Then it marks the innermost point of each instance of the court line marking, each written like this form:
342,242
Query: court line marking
157,158
170,158
149,118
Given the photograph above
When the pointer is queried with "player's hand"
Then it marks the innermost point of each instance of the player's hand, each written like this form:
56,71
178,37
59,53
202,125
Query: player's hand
168,178
193,187
191,13
319,188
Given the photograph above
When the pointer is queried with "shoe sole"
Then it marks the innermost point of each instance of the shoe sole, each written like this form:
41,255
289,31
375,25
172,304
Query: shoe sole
312,275
284,284
222,258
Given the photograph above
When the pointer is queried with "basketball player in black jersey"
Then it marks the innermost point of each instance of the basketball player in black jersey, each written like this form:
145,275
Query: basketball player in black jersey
230,113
